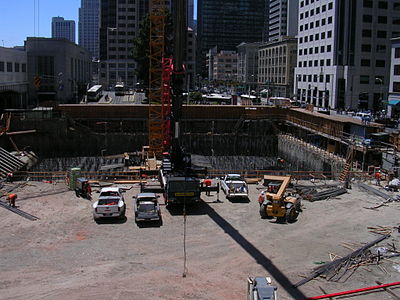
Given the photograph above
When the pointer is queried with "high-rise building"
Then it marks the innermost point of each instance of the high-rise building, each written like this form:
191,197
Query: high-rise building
61,28
282,18
119,23
394,86
89,13
226,24
344,52
190,11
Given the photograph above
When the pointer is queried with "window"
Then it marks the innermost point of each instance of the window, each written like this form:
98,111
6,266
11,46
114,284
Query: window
321,62
364,79
396,70
365,62
327,78
328,62
329,34
365,48
315,63
383,4
2,66
396,55
381,34
380,63
322,35
23,67
396,87
9,67
328,48
16,67
330,5
367,18
381,48
368,3
323,8
330,20
366,33
322,49
382,19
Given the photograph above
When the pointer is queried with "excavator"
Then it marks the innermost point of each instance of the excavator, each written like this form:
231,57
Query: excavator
285,208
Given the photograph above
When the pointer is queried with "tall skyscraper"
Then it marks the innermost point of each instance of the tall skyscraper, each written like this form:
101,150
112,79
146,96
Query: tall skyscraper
89,13
190,7
226,24
282,18
119,23
61,28
344,48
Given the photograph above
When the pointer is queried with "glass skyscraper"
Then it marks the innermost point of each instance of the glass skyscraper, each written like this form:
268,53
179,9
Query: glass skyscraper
226,24
89,26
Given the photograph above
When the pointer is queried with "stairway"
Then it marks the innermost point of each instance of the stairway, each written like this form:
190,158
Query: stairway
8,163
349,161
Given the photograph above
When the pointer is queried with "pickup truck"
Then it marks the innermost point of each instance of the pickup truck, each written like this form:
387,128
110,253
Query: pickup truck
111,204
146,207
234,186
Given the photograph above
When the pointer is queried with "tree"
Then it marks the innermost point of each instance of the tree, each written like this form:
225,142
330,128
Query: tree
141,47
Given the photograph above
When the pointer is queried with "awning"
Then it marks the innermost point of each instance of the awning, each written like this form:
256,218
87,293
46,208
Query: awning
394,102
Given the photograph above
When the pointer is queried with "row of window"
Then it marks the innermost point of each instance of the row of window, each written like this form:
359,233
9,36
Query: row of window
12,67
323,8
315,63
315,37
317,23
317,11
314,78
315,50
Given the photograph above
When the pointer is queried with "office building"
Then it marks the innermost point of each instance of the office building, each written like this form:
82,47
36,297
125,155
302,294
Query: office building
13,78
89,14
58,70
344,52
190,12
247,67
276,64
119,23
61,28
282,18
226,24
394,83
225,66
191,57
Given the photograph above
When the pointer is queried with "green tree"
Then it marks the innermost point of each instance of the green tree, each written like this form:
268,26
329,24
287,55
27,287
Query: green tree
141,47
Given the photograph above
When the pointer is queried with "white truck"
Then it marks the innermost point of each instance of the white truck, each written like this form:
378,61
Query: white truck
111,204
234,186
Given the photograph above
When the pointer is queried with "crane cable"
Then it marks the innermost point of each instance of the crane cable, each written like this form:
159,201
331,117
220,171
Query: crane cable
185,270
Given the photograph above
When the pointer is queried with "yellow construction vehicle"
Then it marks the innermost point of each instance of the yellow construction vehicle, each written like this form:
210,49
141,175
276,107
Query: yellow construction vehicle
285,208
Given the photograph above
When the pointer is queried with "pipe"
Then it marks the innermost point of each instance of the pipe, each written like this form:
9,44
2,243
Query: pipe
355,291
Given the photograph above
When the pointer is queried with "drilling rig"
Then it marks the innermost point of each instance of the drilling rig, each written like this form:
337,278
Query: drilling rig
167,80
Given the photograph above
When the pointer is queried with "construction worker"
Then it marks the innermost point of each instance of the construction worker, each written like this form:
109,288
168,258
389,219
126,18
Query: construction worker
207,183
11,199
88,190
261,198
378,177
9,177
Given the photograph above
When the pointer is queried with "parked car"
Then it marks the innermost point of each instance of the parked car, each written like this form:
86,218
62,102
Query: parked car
146,207
234,186
111,204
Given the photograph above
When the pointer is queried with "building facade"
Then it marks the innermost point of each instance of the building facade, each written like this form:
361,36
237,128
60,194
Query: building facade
89,13
226,24
247,66
191,57
119,23
13,78
61,28
225,66
344,52
282,18
58,70
276,64
394,83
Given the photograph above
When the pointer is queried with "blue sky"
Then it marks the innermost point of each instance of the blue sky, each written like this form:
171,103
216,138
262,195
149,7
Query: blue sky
17,20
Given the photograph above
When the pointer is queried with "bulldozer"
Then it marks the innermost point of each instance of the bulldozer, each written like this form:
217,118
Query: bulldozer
285,208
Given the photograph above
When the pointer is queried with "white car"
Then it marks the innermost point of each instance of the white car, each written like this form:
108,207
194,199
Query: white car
234,186
111,204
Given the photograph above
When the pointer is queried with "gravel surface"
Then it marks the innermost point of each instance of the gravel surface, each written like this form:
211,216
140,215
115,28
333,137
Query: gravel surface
66,255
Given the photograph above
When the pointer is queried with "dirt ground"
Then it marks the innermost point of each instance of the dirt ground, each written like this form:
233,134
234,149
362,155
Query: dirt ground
66,255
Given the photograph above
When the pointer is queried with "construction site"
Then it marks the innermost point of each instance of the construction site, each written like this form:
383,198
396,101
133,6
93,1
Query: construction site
171,201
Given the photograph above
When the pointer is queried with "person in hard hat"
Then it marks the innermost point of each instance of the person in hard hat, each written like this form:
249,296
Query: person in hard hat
378,177
207,183
9,177
261,198
11,199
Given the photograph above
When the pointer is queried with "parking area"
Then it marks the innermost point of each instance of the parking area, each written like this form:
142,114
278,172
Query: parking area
66,255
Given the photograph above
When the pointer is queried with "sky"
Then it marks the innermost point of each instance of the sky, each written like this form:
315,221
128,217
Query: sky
18,18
